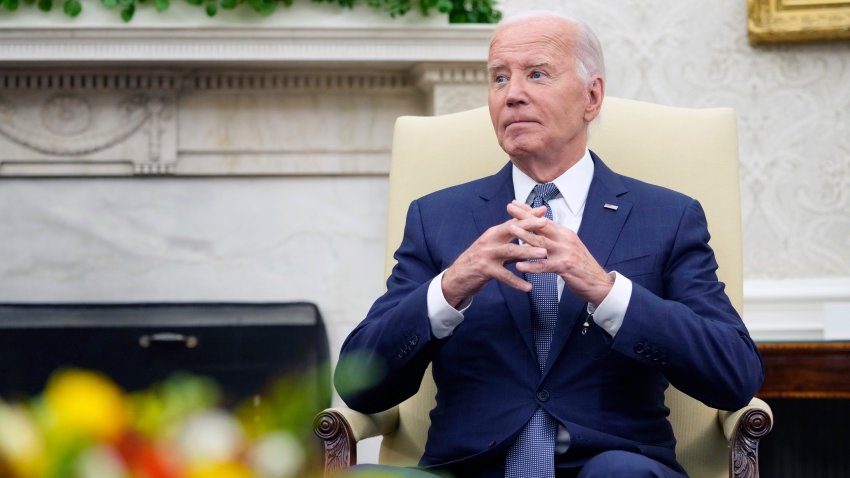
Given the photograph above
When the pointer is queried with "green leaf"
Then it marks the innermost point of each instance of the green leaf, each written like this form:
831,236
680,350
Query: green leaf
72,8
127,13
161,5
194,2
229,4
212,9
12,5
264,7
45,5
109,3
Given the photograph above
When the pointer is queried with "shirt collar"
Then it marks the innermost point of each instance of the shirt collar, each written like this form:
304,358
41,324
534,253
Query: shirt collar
573,184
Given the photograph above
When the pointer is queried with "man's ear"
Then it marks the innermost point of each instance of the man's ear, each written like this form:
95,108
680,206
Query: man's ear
595,94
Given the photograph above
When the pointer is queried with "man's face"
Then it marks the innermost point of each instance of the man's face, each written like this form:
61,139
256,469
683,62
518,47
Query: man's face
539,104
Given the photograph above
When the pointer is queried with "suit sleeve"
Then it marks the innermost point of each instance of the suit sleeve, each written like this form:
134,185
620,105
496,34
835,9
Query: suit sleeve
383,360
691,332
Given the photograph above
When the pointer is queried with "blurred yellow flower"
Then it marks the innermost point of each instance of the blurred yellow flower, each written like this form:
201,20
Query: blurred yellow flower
85,426
21,441
220,470
85,404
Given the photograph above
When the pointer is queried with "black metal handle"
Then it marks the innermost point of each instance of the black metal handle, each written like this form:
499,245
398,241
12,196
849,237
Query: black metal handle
190,341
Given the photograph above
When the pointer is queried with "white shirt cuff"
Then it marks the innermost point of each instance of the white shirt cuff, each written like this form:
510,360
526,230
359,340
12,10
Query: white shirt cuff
444,318
610,313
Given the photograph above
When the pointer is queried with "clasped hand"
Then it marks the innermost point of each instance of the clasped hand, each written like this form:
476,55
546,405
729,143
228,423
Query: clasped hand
555,249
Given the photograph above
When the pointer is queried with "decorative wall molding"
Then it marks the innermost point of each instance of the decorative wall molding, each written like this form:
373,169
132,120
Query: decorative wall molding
452,87
792,309
299,81
222,45
57,131
107,122
349,82
427,75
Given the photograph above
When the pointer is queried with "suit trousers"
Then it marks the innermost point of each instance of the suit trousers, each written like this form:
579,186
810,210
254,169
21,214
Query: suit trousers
609,464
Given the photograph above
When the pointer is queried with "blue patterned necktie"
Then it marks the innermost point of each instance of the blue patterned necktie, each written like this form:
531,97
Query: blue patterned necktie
533,453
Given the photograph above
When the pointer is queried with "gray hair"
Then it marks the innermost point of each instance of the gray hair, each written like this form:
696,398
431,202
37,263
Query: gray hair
589,50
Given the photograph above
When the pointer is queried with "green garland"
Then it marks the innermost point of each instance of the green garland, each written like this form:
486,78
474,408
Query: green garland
460,11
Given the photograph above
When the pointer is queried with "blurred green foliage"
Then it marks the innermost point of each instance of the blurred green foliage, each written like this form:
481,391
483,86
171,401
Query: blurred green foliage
459,11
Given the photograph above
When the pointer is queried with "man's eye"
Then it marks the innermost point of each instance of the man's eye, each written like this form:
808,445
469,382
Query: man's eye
500,79
536,74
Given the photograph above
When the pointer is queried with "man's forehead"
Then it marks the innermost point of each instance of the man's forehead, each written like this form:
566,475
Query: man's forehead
525,40
525,62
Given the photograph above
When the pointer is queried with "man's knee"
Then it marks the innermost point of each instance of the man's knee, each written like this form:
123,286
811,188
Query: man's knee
618,463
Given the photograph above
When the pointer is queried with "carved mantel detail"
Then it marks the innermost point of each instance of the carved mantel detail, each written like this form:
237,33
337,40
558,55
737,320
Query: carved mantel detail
452,87
92,123
226,101
97,122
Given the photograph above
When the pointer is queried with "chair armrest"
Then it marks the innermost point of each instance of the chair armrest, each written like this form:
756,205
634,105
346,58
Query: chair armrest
743,429
341,428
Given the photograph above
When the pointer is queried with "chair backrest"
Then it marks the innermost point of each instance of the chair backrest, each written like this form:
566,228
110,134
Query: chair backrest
694,151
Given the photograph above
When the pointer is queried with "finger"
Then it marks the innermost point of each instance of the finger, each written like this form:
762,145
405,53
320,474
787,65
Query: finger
526,235
512,280
520,210
515,252
534,267
499,233
521,205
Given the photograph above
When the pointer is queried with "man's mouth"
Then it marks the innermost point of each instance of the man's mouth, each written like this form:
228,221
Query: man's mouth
519,122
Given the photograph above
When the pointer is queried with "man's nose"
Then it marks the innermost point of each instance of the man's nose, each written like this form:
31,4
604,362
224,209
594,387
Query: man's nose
516,94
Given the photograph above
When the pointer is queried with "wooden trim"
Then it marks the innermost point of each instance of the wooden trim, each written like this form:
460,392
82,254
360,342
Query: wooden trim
743,451
340,447
805,370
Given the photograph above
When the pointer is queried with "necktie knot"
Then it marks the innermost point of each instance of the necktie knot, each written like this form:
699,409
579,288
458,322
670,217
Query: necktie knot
543,193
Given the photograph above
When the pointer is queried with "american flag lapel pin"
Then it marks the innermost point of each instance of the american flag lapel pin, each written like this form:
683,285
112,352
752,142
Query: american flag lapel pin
610,206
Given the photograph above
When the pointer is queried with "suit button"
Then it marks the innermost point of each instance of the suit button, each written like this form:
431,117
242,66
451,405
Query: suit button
543,395
664,360
639,348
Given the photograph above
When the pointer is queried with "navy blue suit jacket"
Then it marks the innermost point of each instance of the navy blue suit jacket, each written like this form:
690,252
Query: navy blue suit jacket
679,328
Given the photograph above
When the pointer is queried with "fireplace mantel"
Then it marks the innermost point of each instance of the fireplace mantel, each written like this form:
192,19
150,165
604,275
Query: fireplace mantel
400,45
128,100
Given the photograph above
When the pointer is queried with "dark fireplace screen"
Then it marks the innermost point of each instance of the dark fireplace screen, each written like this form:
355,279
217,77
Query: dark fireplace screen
245,348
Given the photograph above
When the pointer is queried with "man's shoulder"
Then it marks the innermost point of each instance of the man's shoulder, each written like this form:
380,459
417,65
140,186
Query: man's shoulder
650,192
636,189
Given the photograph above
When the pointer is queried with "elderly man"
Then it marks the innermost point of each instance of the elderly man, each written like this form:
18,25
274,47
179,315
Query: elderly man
555,299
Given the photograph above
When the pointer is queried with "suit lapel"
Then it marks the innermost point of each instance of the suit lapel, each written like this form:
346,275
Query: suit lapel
496,192
605,214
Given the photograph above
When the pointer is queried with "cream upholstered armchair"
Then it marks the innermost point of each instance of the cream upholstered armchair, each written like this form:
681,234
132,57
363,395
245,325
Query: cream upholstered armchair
694,151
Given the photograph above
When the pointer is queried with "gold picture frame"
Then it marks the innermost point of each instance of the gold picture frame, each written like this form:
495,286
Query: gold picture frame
777,21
